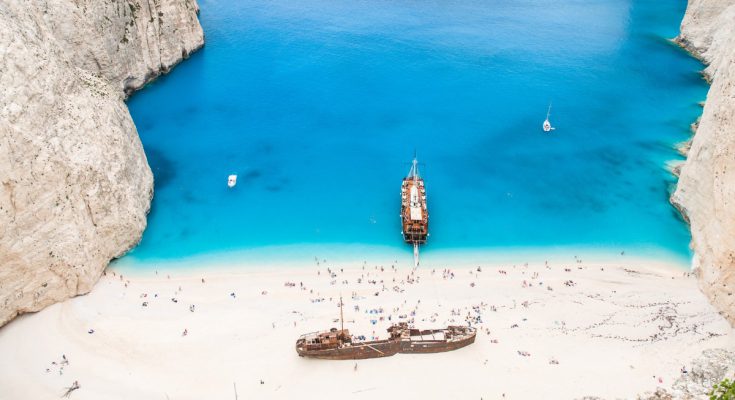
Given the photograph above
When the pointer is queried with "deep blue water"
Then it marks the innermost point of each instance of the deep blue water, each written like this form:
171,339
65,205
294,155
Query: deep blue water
318,106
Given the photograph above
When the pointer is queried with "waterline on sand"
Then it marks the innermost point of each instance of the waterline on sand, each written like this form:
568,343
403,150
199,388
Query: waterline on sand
308,255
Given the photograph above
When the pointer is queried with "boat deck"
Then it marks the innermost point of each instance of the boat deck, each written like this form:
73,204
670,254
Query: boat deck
414,211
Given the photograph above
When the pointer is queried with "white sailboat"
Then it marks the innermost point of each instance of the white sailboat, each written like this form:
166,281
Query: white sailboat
547,125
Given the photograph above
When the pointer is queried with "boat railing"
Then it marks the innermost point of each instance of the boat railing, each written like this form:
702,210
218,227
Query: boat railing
310,334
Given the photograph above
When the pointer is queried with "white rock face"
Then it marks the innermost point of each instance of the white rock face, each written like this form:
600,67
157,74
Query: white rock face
129,42
703,373
75,186
706,190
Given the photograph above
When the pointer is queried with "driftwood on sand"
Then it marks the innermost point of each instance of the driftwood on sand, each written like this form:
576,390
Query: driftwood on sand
71,388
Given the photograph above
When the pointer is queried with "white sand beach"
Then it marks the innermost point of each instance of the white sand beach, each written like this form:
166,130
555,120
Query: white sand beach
612,330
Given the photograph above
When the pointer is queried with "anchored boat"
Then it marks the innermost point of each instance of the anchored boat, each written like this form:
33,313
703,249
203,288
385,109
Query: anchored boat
414,213
547,125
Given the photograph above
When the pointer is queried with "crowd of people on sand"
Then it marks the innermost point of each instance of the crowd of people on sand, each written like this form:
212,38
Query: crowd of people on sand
380,279
471,315
389,279
60,364
375,278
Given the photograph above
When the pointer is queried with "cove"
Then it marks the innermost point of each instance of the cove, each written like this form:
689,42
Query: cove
319,106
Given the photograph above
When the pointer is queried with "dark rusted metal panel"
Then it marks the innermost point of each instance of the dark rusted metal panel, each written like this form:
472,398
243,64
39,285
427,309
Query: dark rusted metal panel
400,341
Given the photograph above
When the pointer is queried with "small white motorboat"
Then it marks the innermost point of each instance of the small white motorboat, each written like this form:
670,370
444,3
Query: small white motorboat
232,180
547,125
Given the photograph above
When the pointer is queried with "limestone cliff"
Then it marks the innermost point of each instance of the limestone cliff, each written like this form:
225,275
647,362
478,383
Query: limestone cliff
705,193
127,42
75,186
704,372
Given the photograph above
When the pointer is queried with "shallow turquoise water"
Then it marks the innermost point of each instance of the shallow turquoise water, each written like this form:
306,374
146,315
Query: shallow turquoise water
318,106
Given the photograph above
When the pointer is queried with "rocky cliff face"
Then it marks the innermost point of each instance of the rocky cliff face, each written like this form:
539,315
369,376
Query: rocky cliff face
704,372
75,186
705,193
128,42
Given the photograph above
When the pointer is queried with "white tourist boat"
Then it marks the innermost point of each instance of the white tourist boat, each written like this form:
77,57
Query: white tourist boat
232,180
547,125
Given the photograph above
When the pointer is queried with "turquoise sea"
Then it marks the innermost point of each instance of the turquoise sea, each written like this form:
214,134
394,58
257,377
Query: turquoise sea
319,106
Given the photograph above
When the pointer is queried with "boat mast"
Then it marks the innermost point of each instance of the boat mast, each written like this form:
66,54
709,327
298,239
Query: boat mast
415,170
548,112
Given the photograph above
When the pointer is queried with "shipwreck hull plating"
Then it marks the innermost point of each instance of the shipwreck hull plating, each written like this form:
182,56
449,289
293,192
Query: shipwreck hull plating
358,351
435,346
402,340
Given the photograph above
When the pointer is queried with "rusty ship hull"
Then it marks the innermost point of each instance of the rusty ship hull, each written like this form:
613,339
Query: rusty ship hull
335,346
356,351
436,346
